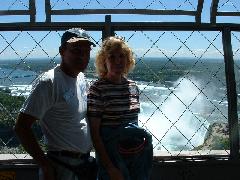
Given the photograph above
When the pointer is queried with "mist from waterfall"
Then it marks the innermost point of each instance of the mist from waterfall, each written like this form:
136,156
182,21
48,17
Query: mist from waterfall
172,114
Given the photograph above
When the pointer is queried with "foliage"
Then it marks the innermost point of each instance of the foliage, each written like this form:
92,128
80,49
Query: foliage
220,143
13,150
163,70
154,69
9,106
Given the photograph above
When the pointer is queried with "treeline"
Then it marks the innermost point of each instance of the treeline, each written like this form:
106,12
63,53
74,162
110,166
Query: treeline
9,110
163,70
9,107
146,69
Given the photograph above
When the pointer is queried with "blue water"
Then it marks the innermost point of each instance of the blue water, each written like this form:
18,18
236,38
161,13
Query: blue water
16,77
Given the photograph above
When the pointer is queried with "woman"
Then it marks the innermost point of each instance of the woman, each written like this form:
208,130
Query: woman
113,105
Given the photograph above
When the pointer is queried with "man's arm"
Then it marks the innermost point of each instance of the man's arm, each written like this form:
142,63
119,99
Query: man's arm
23,129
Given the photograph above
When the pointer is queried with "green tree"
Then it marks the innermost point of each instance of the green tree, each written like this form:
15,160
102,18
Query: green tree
9,108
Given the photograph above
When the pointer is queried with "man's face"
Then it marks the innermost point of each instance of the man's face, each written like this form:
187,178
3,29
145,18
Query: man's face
76,55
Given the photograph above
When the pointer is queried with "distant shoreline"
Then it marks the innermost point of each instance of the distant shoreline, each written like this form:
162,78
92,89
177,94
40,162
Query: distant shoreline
92,58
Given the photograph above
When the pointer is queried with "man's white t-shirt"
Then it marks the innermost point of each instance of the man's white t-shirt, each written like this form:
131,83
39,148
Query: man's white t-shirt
60,103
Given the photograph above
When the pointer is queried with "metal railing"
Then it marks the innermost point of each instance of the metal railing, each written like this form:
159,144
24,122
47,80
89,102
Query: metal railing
216,13
31,11
196,13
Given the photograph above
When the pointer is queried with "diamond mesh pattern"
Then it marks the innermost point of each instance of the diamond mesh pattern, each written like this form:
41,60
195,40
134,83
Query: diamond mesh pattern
183,5
122,4
16,11
189,94
176,90
229,5
14,5
182,82
23,57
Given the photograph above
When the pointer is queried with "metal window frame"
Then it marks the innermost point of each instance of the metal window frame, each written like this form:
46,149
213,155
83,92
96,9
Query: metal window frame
214,12
31,11
108,28
197,13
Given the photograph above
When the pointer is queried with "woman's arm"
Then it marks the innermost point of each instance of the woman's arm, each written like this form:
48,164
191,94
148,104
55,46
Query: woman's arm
114,173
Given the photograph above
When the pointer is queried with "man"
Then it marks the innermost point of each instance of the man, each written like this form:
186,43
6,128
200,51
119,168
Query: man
59,101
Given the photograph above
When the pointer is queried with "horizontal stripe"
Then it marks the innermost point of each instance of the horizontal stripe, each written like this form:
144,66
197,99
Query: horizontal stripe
114,102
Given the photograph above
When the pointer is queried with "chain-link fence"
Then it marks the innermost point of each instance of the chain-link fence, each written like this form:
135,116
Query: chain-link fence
180,70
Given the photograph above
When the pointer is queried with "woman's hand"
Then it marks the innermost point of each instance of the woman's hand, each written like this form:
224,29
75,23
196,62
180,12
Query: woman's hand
48,172
115,174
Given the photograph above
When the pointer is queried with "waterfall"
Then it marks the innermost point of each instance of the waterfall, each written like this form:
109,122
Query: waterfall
174,116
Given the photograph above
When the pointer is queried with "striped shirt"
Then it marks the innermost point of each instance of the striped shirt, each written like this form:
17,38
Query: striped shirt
115,104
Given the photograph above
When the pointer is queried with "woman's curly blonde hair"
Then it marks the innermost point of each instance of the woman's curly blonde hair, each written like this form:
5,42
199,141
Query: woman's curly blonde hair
109,44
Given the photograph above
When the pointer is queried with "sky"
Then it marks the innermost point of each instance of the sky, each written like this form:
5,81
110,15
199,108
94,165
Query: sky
167,44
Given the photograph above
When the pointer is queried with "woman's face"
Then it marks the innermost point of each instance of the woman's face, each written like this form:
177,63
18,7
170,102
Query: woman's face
116,62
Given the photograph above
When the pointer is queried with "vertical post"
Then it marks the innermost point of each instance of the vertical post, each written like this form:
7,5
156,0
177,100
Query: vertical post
213,11
231,94
108,31
48,10
199,11
32,9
